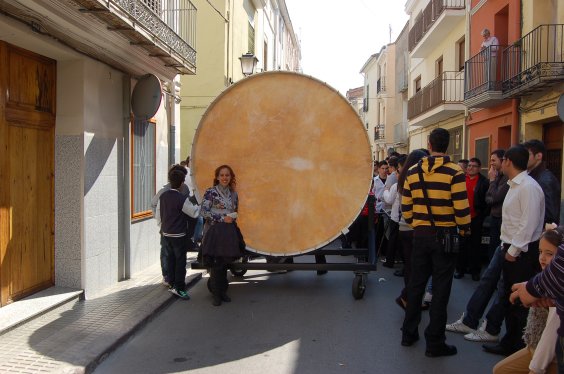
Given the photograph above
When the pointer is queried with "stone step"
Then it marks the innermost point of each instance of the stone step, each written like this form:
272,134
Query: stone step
33,306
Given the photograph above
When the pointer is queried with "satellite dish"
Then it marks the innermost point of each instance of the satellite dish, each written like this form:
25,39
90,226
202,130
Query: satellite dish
146,97
560,107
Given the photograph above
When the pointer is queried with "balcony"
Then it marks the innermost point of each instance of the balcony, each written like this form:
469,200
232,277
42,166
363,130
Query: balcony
437,101
534,62
379,133
381,85
482,80
401,136
165,32
433,24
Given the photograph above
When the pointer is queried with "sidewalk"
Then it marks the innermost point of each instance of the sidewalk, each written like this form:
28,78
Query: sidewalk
76,336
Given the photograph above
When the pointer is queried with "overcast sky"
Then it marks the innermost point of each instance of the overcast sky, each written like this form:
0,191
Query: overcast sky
338,37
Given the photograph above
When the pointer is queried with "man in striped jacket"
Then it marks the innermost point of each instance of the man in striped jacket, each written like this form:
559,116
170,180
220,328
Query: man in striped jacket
447,201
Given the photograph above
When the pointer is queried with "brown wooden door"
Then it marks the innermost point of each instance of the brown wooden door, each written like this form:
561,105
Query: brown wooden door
27,127
552,138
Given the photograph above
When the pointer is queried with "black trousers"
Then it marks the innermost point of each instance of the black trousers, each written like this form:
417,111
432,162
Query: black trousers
406,239
176,259
218,278
471,252
428,260
523,269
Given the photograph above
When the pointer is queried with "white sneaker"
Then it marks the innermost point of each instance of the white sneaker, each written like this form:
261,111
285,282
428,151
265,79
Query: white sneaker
428,298
459,326
481,335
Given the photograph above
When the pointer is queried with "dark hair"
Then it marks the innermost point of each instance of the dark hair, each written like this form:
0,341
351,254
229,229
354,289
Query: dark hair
413,158
179,168
382,163
401,159
188,160
394,154
554,236
519,156
393,162
439,139
464,161
233,181
176,178
476,160
499,153
535,146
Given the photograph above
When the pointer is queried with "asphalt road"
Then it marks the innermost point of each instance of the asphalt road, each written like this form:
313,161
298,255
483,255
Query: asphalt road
295,322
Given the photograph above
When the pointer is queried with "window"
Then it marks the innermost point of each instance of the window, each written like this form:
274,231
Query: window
461,54
418,84
482,152
455,144
143,169
439,67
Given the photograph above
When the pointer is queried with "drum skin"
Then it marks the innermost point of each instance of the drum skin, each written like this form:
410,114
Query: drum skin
300,154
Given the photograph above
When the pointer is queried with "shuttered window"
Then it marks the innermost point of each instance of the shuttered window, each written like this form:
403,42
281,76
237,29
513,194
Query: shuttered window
143,168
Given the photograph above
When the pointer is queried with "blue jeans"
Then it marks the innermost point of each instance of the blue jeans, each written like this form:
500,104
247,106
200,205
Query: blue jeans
164,257
482,295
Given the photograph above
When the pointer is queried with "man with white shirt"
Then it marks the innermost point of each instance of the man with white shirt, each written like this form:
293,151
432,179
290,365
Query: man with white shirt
521,228
378,189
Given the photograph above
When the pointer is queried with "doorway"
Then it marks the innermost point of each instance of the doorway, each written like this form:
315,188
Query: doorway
27,128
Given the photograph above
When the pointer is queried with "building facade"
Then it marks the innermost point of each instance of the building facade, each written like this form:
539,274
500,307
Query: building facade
227,30
437,50
493,120
79,169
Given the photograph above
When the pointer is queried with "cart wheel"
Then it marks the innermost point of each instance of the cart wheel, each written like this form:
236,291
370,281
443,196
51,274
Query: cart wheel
238,272
358,287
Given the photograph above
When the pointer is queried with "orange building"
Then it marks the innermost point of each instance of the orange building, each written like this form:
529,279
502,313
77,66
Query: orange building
493,120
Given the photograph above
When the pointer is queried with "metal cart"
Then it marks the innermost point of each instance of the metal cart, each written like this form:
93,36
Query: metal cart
366,261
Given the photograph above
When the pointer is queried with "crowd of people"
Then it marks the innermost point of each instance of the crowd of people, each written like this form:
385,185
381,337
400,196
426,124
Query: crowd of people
432,215
435,216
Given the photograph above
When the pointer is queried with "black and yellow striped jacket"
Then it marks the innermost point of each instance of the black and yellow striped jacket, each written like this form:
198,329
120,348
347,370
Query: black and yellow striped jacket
446,188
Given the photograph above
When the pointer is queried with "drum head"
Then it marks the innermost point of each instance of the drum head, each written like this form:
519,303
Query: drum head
301,156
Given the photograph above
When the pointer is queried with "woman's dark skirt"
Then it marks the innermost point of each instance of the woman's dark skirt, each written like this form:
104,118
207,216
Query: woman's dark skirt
221,244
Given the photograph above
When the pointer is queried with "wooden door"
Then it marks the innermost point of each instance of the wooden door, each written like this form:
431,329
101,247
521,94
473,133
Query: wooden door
27,127
552,138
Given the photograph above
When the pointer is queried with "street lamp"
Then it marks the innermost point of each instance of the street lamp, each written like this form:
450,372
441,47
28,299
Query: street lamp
248,63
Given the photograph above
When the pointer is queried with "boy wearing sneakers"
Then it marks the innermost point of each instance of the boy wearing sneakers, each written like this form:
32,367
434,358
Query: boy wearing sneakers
172,212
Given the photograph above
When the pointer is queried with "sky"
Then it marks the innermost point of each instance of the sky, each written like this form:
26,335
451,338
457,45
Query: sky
338,37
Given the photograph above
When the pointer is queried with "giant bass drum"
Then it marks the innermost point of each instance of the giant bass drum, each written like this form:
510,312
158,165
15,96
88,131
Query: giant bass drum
301,156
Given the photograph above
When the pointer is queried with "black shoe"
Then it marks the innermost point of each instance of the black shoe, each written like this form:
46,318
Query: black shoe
476,277
446,350
399,273
497,349
321,272
225,298
216,301
407,341
458,275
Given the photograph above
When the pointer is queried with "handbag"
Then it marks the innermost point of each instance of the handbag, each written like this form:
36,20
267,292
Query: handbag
445,236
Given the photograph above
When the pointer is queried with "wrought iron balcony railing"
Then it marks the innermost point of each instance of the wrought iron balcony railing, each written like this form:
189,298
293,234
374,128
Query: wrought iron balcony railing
483,71
381,85
535,60
446,88
173,22
427,18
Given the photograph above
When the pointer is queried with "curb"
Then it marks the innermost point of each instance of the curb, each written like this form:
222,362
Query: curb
89,368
